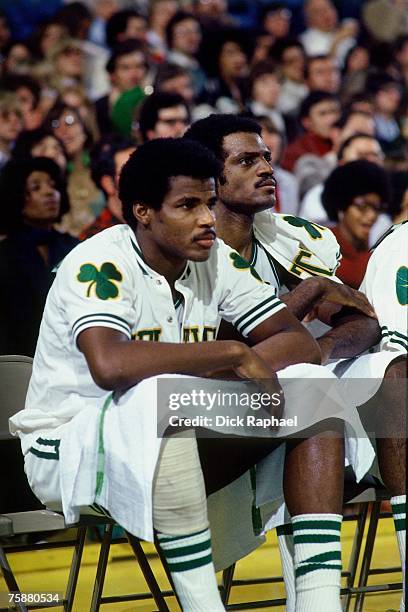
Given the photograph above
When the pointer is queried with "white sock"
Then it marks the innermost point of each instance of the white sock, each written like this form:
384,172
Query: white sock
189,559
287,555
316,539
399,512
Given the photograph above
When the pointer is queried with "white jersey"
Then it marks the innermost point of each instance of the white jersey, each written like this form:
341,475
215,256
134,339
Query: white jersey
303,248
386,287
105,282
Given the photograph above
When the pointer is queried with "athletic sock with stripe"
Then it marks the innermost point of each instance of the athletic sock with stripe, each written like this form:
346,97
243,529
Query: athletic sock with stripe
399,512
285,541
189,560
316,539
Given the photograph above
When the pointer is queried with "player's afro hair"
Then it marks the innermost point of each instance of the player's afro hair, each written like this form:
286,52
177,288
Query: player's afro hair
145,176
212,130
354,179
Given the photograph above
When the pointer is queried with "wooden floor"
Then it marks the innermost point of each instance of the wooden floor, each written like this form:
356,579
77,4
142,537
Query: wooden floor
47,571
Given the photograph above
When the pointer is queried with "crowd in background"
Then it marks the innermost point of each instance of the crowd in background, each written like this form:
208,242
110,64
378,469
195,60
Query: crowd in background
83,83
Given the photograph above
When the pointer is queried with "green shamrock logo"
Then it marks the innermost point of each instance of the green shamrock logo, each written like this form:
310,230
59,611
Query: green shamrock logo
401,285
101,279
311,228
242,264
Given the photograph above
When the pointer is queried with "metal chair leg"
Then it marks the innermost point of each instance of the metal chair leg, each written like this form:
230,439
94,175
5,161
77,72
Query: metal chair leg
147,573
166,569
10,579
368,553
101,569
227,577
75,567
355,554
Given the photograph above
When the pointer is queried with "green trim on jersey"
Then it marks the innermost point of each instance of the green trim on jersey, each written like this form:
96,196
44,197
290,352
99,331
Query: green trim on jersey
54,444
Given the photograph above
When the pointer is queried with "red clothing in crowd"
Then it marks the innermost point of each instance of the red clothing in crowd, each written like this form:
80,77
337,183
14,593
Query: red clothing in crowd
308,143
353,263
105,220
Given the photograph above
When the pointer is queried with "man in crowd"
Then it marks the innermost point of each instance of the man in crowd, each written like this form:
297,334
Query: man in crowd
126,68
163,115
107,160
318,112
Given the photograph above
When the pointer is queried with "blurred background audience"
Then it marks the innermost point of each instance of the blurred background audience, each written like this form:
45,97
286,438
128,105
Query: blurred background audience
83,83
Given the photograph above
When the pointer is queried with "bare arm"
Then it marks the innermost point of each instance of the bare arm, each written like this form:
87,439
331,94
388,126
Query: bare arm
282,340
118,363
351,335
314,291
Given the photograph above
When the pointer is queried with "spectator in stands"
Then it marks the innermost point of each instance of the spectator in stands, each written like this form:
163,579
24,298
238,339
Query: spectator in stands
357,146
275,18
287,189
227,63
11,124
160,13
127,69
312,169
46,36
107,160
356,65
125,25
75,97
318,112
353,196
66,64
174,79
41,143
17,59
323,35
264,88
213,14
27,92
290,56
183,36
163,115
103,10
33,199
85,199
387,97
322,74
76,18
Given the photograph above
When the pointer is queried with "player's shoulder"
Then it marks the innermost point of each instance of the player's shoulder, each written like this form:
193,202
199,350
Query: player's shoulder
302,247
396,234
113,242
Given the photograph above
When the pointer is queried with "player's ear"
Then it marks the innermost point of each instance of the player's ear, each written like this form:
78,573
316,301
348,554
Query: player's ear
142,213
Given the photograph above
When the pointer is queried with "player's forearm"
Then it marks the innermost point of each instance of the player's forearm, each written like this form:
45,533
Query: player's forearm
350,337
288,348
301,300
117,363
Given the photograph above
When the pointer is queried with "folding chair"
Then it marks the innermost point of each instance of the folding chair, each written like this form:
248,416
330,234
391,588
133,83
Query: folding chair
23,516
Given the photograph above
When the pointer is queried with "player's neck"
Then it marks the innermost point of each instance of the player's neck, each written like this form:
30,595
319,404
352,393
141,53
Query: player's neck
159,261
235,229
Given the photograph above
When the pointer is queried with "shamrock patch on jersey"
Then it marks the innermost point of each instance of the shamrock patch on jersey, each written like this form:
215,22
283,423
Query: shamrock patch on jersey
100,280
311,228
401,285
242,264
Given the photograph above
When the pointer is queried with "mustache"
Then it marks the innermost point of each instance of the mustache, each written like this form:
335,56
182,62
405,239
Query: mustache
266,181
205,235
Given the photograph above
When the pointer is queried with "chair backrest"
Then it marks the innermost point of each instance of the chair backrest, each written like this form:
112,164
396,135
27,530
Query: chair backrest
15,373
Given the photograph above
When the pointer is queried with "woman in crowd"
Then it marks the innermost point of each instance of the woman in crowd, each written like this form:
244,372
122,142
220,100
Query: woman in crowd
86,200
41,143
33,198
353,196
